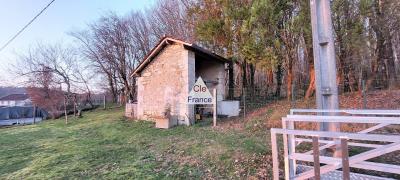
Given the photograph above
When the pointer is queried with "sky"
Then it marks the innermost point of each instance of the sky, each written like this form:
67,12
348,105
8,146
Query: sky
52,26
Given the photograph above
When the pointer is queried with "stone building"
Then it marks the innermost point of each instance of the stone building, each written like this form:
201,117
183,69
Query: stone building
167,74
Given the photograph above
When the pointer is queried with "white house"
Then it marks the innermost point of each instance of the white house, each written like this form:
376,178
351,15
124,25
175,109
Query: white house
16,100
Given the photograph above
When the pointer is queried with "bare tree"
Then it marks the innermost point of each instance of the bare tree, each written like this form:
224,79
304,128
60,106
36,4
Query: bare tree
44,94
115,45
93,51
141,36
50,60
170,18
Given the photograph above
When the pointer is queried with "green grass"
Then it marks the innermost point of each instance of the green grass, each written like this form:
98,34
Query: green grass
103,144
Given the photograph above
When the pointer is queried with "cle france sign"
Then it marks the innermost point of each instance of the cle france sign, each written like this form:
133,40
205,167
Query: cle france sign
200,94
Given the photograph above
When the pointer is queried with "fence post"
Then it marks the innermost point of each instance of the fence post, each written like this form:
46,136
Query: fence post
364,95
244,104
317,173
34,114
286,149
293,95
65,109
345,159
215,108
74,105
275,161
104,101
291,147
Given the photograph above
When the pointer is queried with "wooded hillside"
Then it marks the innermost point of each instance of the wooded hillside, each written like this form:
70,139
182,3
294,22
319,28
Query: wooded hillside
269,42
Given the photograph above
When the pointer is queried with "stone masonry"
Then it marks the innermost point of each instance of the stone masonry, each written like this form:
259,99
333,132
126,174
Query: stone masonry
165,84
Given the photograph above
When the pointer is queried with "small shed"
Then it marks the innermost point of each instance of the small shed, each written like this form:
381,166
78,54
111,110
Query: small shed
167,74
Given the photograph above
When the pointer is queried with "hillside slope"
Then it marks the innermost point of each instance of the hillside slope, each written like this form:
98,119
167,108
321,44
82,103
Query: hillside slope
104,145
270,115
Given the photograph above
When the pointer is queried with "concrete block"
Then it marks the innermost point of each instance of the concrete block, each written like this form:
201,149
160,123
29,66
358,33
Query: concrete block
165,123
228,108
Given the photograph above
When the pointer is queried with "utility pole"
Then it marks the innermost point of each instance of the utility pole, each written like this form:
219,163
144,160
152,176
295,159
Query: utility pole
324,59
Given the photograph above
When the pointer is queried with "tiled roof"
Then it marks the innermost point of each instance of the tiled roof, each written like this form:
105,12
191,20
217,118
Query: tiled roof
168,40
15,97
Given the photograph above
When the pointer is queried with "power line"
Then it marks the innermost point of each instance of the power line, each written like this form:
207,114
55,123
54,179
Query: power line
29,23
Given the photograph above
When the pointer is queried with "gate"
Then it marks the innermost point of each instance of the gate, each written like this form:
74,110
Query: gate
322,140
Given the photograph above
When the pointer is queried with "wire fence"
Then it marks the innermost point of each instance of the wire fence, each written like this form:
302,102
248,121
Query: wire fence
365,95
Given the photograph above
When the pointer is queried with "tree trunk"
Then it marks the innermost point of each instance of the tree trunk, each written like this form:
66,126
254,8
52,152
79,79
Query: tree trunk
112,87
252,73
270,81
289,84
278,81
390,65
311,86
310,59
244,75
385,71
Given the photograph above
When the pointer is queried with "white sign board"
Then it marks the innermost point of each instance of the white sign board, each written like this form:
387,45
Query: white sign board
200,93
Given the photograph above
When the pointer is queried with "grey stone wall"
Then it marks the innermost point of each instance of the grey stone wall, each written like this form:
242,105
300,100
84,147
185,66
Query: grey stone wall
213,73
165,83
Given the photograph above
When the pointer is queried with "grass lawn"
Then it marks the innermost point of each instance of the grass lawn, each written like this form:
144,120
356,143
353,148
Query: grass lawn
103,144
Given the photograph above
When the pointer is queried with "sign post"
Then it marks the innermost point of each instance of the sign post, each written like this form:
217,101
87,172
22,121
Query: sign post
201,95
215,108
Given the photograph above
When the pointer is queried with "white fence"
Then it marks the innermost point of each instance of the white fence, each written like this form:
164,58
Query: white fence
24,121
293,137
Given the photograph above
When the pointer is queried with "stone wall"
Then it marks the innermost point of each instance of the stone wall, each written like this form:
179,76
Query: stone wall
164,84
189,60
214,75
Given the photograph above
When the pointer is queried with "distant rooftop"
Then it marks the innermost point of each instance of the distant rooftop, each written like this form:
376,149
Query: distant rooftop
15,97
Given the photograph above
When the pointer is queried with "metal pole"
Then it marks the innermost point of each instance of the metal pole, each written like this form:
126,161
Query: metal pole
215,108
325,63
324,59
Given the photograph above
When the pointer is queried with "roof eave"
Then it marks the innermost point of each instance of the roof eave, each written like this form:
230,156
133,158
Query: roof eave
165,41
200,50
